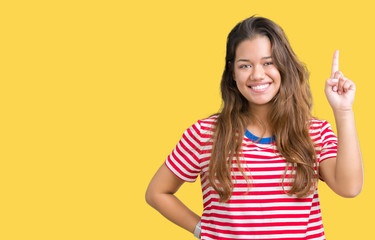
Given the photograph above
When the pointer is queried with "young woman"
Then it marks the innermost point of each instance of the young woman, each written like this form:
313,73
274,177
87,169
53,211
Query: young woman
260,158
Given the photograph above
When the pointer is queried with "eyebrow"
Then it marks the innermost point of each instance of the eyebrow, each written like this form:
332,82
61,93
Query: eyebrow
247,60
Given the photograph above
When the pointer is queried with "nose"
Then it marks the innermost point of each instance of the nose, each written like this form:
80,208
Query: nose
257,73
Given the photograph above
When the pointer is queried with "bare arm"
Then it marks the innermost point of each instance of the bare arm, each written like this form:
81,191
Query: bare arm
160,195
344,174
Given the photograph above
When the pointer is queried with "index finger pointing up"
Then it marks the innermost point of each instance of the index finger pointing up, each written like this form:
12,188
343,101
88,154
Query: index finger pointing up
335,63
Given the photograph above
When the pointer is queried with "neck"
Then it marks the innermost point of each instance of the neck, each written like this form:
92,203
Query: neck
259,124
260,112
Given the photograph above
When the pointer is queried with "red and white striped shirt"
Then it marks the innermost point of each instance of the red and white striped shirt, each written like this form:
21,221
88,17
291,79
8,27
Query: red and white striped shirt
263,211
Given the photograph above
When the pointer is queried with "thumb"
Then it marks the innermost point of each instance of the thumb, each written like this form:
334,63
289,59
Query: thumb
332,82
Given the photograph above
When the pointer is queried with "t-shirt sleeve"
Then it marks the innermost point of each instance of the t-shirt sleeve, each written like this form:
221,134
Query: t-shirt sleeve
184,161
329,142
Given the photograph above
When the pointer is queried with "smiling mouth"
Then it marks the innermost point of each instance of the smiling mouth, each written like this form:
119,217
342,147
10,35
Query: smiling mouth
260,87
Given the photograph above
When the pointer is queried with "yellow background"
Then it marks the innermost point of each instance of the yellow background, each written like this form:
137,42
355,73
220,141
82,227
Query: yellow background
95,94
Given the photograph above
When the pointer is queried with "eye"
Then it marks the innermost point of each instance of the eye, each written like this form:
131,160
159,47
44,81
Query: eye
245,66
268,63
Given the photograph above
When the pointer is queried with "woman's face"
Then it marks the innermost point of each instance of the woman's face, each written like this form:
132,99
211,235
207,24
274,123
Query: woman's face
256,76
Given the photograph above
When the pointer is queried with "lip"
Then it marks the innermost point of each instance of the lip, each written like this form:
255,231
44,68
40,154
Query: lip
260,84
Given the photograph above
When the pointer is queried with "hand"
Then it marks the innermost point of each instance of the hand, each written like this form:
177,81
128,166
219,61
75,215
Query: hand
340,90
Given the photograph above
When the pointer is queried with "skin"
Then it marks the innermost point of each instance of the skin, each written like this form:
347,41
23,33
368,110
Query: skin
160,195
253,67
344,174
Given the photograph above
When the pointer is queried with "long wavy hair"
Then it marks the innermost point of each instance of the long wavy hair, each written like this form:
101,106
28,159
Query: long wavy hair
288,119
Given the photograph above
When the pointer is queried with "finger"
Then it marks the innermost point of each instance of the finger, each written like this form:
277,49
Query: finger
351,83
338,75
340,86
341,82
346,86
334,88
332,82
335,63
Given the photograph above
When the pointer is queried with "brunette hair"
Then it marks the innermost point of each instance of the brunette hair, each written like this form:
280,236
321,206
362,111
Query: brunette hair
289,117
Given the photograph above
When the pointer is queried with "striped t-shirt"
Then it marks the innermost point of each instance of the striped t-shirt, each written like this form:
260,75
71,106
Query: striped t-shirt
263,210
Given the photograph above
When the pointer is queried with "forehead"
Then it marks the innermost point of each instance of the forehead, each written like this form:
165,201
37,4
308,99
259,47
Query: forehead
255,48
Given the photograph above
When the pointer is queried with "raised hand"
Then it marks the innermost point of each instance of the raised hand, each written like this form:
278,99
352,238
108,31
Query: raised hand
343,173
340,90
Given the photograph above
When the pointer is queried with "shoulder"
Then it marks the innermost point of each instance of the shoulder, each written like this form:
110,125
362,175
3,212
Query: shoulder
317,124
207,124
320,129
203,128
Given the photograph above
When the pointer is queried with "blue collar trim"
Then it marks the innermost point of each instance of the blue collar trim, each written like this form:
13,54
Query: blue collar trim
254,138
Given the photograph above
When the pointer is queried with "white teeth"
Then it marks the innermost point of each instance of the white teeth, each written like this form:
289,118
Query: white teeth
259,87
